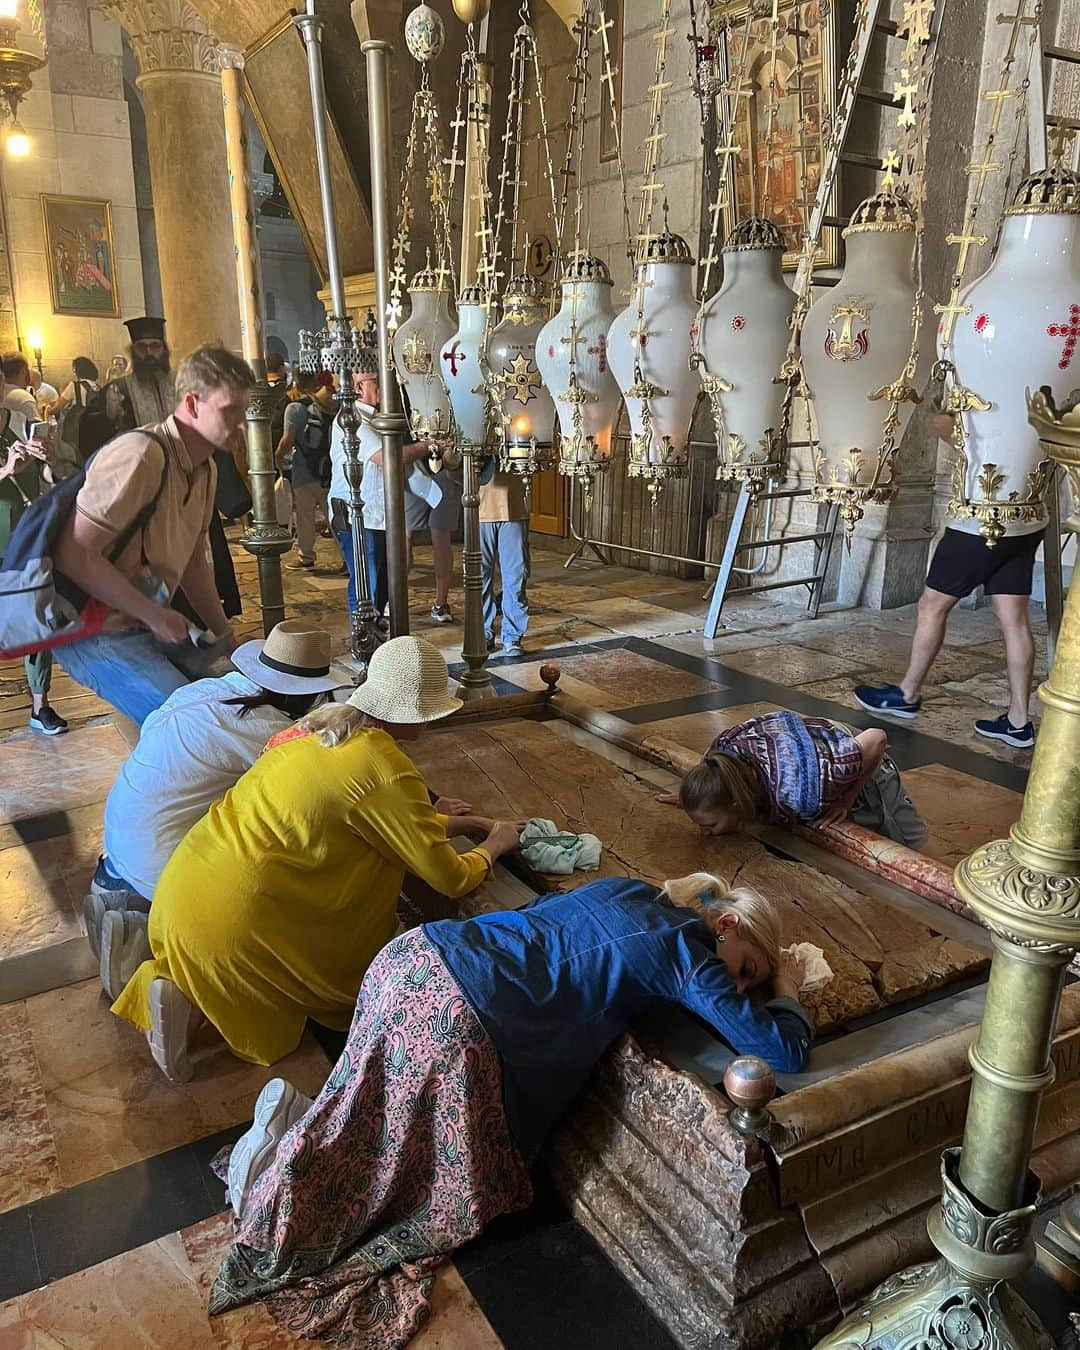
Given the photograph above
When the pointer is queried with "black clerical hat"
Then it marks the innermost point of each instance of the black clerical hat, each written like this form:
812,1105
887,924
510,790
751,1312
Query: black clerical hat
146,329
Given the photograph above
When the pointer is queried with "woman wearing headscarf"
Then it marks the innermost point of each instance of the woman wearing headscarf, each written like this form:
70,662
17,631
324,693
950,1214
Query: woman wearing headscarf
470,1041
273,906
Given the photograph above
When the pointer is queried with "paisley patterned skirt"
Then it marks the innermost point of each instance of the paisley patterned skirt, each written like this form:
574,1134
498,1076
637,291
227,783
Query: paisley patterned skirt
404,1156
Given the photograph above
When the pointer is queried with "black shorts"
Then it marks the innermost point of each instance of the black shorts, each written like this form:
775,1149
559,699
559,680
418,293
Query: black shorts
962,562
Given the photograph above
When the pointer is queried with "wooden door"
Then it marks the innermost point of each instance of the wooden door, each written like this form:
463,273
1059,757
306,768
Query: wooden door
547,505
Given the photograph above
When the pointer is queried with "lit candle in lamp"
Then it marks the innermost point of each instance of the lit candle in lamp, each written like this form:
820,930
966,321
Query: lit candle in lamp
17,142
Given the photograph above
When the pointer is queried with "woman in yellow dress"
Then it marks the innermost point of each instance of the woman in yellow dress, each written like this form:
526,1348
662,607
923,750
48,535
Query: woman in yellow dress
274,904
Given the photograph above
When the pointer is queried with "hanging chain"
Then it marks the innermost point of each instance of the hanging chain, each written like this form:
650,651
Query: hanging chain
773,109
967,240
400,247
575,156
549,170
607,81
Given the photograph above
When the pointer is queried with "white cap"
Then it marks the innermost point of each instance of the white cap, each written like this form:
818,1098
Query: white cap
407,682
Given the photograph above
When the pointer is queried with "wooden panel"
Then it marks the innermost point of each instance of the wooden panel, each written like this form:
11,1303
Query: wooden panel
548,504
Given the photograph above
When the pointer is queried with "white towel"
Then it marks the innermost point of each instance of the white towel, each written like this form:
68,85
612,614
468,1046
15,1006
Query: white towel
816,970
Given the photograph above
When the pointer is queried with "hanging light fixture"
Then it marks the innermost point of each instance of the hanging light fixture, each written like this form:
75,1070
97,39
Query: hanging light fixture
17,67
522,409
859,352
418,341
572,346
649,343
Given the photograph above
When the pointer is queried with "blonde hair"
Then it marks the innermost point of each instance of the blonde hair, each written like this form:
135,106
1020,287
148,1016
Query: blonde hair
759,921
211,367
334,723
723,782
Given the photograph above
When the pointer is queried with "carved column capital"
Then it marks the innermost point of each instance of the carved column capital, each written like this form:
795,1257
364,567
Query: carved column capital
167,35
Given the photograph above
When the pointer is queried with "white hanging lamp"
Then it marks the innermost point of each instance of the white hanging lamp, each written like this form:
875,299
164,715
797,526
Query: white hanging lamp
525,405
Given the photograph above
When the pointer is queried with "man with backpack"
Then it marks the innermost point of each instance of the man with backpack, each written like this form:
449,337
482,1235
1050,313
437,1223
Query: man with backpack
303,455
138,533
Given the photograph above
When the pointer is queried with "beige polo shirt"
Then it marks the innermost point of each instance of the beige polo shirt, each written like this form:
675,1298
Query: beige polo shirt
122,479
502,499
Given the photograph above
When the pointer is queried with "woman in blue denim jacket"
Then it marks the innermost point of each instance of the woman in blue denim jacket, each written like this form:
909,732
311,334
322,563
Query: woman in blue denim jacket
470,1040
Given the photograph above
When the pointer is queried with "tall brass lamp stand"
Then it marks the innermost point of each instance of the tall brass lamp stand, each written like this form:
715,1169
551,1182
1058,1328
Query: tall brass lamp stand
1026,889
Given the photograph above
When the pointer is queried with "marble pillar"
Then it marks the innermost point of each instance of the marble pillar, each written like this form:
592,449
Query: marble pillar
179,79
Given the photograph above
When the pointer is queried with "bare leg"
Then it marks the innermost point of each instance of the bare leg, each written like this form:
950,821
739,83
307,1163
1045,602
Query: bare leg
934,610
1011,612
444,564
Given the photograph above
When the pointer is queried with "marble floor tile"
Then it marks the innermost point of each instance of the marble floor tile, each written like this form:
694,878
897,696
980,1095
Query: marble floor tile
960,811
146,1297
29,1166
108,1103
697,730
40,901
43,774
613,679
456,1321
788,663
636,618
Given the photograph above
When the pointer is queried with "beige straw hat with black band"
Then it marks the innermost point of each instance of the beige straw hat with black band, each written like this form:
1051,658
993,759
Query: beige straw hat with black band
294,659
407,682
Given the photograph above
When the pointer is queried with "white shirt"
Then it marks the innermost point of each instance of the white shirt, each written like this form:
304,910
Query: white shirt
190,752
24,410
371,489
46,395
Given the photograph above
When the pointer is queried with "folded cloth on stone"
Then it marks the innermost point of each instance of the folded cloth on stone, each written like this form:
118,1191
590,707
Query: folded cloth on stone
816,970
546,848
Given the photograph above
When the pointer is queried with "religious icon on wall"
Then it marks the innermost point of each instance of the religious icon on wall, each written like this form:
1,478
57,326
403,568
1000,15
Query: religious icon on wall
613,15
80,255
806,39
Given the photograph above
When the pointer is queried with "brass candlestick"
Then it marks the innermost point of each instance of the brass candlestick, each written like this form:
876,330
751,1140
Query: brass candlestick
1026,889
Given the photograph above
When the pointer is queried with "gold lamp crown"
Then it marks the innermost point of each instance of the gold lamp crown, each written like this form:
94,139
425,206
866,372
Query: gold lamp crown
754,233
1052,191
664,247
883,211
472,295
582,266
429,278
522,289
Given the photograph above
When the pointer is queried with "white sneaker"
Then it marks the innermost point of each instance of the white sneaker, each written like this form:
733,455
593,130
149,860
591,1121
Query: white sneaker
171,1018
278,1108
124,947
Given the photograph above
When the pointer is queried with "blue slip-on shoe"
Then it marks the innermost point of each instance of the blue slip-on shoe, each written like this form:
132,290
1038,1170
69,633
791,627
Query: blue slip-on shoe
1001,729
886,698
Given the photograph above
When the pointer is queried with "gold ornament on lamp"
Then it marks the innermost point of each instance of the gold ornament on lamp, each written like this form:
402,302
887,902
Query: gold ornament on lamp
17,66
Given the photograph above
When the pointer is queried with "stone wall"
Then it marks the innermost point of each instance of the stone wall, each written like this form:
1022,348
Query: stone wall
77,119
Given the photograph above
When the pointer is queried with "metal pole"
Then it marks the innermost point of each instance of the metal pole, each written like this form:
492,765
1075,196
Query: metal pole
266,539
1026,890
337,349
389,421
475,682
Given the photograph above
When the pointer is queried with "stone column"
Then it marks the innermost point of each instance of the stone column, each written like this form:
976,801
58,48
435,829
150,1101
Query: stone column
185,131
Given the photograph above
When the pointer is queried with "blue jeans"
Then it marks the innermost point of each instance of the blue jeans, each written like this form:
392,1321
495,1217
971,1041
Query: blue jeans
375,543
128,670
506,542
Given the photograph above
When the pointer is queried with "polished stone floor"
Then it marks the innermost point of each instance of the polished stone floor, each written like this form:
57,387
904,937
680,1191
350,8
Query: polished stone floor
110,1220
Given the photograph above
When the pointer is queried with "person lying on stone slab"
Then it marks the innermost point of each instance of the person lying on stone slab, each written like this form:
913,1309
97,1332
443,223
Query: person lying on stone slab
470,1040
785,769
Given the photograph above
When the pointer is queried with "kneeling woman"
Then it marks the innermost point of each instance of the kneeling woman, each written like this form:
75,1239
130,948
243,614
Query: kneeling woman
273,905
469,1042
787,769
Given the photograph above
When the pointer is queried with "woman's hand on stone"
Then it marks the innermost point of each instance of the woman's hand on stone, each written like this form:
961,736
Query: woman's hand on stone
789,976
452,806
503,837
668,798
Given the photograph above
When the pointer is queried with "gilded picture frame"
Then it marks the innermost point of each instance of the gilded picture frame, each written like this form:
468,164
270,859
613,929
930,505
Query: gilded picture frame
817,20
613,9
80,256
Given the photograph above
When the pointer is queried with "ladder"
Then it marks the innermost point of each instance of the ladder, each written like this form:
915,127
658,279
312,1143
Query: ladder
823,539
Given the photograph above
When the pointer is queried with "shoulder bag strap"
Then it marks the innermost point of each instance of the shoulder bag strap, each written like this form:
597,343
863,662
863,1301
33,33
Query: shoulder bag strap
142,518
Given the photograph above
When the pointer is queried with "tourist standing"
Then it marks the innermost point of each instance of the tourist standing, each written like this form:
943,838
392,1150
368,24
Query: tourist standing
303,456
504,545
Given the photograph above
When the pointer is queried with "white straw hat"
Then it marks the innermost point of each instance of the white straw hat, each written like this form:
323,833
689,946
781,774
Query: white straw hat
407,681
294,659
